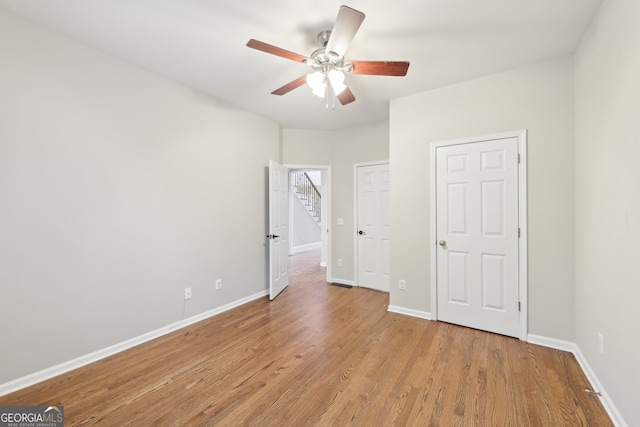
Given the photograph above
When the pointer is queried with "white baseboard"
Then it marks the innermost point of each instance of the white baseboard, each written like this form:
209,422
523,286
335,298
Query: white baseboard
70,365
307,247
551,343
596,385
323,264
409,312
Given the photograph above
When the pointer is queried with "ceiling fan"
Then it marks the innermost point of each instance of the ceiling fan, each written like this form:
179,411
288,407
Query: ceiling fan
328,64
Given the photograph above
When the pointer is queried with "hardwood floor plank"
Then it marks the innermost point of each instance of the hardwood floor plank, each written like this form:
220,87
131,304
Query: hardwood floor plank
328,356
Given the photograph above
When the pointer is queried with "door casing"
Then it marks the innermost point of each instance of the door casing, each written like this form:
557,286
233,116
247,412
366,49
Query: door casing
521,135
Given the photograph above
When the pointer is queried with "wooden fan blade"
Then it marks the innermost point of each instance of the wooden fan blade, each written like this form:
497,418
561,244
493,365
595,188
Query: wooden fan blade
274,50
345,28
380,68
346,96
290,86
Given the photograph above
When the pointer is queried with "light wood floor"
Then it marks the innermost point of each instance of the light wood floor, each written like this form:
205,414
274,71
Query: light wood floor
328,356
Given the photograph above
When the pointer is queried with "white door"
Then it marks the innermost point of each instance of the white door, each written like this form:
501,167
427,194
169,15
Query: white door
477,235
373,226
278,228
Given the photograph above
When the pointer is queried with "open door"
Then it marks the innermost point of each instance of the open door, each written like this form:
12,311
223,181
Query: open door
278,228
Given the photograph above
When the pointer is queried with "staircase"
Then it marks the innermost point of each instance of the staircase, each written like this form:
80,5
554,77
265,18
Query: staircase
309,194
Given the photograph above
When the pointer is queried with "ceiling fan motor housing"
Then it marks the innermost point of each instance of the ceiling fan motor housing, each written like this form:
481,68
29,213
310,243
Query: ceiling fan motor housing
323,37
320,57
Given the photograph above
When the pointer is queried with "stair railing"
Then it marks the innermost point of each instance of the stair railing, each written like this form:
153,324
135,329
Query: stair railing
308,193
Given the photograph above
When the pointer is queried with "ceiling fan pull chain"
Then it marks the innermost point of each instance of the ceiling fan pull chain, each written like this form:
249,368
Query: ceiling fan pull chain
333,97
330,96
326,96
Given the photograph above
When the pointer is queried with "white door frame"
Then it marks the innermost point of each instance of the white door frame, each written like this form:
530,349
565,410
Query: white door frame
326,208
521,135
355,212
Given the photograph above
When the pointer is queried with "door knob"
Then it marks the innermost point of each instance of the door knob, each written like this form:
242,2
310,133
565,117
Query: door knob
442,243
361,232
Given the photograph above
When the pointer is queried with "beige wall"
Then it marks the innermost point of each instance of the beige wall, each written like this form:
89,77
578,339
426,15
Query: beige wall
538,98
118,189
340,150
607,225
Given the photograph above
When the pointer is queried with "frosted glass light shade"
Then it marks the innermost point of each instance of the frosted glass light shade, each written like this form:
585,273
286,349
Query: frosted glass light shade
337,81
319,91
316,82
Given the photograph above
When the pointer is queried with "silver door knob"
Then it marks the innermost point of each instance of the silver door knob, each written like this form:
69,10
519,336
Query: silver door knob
442,243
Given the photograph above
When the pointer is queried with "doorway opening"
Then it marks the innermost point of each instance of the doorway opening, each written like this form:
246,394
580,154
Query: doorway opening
310,211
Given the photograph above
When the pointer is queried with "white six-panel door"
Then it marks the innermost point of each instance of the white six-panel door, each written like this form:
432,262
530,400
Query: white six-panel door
278,228
373,226
477,235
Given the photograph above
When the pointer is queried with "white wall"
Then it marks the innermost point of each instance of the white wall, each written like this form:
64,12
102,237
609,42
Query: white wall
118,189
538,98
607,201
339,149
315,177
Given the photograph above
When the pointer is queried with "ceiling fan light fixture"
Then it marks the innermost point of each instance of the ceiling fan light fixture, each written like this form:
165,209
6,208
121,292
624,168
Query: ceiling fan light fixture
317,83
338,88
336,78
320,92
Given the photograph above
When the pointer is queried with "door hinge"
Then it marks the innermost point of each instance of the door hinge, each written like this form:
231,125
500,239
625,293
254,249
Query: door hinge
519,306
518,158
518,232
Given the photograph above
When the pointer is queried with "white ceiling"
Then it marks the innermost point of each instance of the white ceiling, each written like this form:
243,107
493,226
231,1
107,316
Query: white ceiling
201,43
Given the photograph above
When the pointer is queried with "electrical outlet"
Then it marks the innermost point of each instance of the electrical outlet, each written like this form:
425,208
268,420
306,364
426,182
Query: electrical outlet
402,285
600,343
339,262
187,293
218,284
